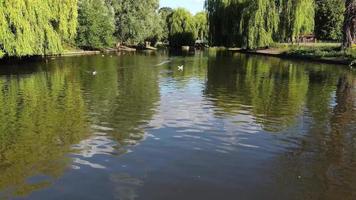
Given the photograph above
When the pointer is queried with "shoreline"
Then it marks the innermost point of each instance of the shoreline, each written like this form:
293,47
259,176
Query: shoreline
280,53
75,53
271,52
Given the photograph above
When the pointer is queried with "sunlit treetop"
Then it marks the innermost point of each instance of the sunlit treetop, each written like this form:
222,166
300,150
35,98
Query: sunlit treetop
37,27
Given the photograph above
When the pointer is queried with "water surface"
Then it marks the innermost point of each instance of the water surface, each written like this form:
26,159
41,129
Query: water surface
229,126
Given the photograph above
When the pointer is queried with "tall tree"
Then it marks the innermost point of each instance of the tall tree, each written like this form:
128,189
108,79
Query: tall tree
201,25
296,18
329,18
349,29
136,20
258,23
36,27
182,28
165,14
96,24
224,17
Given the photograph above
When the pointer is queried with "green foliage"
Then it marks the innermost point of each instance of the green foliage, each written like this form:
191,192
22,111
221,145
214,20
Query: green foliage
137,21
96,24
201,25
224,17
36,27
296,18
181,28
181,21
258,23
243,23
321,51
164,14
329,19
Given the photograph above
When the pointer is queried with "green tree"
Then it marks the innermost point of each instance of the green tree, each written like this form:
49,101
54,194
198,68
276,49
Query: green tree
201,25
296,18
329,17
182,28
96,24
224,17
164,14
258,23
136,20
36,27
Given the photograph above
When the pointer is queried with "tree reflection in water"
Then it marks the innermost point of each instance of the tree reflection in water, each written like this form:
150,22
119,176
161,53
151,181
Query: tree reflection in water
41,116
298,119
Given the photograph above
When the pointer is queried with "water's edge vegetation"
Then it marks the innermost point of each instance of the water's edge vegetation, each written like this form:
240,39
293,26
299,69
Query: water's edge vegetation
52,28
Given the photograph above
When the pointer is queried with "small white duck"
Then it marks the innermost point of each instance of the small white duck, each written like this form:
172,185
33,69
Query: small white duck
352,64
94,73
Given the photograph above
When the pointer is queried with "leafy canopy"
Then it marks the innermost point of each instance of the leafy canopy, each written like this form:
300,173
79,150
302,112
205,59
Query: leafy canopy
136,20
36,27
181,28
258,23
96,24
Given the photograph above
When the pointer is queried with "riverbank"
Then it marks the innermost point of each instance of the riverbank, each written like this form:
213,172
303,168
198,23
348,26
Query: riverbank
317,52
77,53
66,53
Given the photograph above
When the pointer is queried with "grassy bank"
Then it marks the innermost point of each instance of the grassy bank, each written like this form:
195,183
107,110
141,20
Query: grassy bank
72,50
321,52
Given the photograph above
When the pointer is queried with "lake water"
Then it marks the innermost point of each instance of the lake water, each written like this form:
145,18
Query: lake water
229,126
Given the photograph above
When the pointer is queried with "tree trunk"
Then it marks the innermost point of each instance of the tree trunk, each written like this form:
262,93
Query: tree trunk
349,28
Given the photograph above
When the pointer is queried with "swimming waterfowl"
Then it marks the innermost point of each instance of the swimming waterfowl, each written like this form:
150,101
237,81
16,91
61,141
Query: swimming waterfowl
352,64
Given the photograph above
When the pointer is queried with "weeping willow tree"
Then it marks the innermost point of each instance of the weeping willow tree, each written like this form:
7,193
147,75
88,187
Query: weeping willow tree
258,23
201,25
181,28
296,18
243,23
36,27
224,17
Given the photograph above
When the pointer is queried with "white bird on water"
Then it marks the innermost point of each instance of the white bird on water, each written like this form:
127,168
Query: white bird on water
180,68
94,73
352,64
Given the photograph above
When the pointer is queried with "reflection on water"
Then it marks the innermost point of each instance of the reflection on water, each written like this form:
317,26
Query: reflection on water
228,125
41,116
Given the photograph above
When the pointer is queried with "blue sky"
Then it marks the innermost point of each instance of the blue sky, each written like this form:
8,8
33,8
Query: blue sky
193,5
